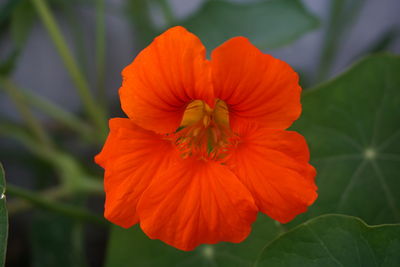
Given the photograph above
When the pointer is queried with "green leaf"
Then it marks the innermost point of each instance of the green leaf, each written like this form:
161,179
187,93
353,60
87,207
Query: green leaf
352,126
334,240
266,23
131,247
3,218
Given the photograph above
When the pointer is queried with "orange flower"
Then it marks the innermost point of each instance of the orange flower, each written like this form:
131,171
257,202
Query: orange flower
205,147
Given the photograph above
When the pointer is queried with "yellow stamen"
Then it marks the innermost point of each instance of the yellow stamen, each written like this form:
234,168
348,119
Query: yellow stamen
204,131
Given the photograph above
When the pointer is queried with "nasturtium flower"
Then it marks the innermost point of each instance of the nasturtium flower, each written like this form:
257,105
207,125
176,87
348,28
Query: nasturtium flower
204,147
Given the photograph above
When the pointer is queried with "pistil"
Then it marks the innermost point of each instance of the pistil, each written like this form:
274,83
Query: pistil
204,132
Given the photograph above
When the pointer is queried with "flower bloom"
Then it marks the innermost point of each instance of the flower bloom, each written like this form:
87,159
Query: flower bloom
204,147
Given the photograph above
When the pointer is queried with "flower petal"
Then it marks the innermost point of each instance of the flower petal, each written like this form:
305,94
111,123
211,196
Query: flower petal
131,157
273,164
256,86
197,202
164,78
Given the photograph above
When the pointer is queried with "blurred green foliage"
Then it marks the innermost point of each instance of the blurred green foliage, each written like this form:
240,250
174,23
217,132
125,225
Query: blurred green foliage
350,123
267,24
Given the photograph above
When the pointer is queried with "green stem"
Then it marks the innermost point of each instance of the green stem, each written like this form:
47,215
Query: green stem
331,41
26,114
72,176
168,14
93,110
46,200
341,15
18,133
78,247
20,205
138,12
101,50
78,35
60,115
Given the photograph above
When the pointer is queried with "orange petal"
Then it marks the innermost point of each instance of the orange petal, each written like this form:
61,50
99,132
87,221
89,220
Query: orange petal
273,164
256,86
131,158
197,202
164,78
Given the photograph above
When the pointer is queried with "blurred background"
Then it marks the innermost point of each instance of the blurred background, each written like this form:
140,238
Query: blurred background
53,216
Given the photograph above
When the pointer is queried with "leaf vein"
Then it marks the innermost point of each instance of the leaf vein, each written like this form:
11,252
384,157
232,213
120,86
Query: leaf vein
321,242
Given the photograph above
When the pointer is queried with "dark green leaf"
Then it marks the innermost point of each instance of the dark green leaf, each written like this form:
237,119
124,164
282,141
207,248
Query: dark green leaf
266,23
3,218
334,240
133,248
352,125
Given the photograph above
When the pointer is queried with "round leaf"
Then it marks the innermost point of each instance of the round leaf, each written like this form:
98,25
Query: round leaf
334,240
352,125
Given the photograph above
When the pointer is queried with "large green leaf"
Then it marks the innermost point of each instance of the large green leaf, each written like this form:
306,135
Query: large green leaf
352,125
334,240
266,23
3,218
133,248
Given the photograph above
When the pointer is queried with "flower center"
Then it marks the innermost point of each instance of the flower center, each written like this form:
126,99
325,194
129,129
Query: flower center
205,132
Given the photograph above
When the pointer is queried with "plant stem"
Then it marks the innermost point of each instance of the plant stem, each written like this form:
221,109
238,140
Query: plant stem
93,110
20,205
342,13
78,36
18,133
62,116
46,200
101,50
73,177
168,14
26,114
138,12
